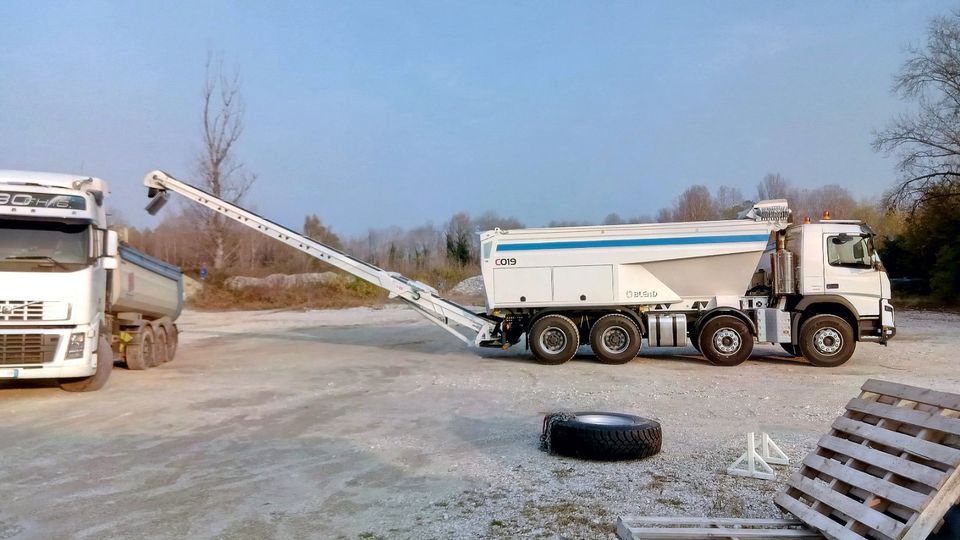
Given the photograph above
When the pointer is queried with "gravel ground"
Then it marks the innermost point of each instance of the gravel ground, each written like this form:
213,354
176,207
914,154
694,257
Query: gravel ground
372,423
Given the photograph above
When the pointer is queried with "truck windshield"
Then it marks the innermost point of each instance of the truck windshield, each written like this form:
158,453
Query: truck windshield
33,245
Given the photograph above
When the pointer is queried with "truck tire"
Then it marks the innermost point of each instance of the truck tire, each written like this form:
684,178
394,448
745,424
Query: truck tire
615,339
160,348
141,351
827,340
554,339
173,339
605,436
99,377
725,340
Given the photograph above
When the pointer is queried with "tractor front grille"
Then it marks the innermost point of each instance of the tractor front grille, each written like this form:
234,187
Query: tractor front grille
28,348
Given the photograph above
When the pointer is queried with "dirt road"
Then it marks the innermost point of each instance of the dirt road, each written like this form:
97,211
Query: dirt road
374,424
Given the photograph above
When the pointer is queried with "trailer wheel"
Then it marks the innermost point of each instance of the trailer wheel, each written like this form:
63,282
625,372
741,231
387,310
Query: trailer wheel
615,339
554,339
99,377
603,436
160,348
141,351
725,341
173,339
827,340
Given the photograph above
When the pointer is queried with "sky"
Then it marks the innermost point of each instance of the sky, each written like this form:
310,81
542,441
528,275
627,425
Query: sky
373,114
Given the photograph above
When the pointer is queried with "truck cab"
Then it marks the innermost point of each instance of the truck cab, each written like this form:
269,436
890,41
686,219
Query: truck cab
55,254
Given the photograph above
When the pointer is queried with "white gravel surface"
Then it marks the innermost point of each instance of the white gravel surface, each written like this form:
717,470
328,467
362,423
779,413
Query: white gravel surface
372,423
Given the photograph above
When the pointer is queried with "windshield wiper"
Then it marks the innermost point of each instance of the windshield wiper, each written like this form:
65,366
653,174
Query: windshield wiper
36,258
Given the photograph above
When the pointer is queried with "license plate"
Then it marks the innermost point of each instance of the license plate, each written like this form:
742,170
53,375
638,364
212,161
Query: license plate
9,373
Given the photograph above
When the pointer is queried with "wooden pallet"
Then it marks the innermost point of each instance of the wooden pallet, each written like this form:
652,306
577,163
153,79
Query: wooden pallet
662,528
888,469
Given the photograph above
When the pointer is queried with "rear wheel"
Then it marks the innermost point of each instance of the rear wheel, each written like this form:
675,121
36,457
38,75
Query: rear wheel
827,340
554,339
173,339
140,352
615,339
725,341
99,377
160,349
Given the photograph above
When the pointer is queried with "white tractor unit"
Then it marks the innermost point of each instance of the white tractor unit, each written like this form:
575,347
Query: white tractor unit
721,286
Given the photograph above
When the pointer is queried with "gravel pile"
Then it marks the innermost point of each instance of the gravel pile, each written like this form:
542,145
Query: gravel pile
472,286
281,280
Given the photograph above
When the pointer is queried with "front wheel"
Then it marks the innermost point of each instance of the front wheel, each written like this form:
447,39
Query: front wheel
827,340
725,341
554,339
99,377
615,339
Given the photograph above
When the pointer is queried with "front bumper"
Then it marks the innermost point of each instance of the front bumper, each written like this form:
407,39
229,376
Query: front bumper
30,353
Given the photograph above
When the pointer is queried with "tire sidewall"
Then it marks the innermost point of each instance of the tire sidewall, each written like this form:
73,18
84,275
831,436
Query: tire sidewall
641,438
717,357
615,320
571,335
809,350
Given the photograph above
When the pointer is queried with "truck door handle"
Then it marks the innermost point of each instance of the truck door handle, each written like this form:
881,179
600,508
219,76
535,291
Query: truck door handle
833,285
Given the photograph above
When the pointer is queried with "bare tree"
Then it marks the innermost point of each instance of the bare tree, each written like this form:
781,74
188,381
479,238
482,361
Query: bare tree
220,172
927,142
696,204
774,186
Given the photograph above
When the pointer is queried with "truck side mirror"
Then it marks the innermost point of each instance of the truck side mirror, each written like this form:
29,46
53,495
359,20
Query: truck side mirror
111,248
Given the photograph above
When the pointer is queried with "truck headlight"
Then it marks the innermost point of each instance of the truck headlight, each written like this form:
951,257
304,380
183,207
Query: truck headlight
75,349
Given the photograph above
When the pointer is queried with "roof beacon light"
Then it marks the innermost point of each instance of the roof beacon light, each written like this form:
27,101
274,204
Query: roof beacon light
806,220
826,215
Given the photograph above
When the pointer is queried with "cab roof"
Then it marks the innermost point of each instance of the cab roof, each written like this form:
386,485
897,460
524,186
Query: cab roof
58,180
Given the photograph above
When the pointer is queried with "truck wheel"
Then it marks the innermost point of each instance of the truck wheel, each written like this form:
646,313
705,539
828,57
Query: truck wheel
554,339
160,348
604,436
173,339
140,351
615,339
99,377
827,340
725,341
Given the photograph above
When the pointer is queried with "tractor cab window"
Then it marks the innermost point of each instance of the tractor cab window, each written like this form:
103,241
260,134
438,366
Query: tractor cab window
850,251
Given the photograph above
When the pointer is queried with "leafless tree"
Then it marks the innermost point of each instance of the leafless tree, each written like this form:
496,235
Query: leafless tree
774,186
220,172
696,204
927,142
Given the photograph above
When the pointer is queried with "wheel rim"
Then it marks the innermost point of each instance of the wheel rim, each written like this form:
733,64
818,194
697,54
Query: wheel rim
726,341
553,340
828,341
604,420
615,340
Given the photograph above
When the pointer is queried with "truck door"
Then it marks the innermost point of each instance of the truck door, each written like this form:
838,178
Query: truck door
849,271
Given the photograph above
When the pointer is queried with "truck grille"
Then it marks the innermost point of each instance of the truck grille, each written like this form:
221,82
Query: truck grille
21,310
28,348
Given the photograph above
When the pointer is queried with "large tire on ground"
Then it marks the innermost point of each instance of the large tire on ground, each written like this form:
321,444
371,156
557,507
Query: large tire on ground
725,340
605,436
141,351
615,339
160,347
790,349
554,339
99,377
173,339
827,340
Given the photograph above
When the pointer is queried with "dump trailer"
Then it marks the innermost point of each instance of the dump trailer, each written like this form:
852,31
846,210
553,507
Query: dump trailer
816,289
72,300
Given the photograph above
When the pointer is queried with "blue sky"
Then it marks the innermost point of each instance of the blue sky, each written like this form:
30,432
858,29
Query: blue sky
372,114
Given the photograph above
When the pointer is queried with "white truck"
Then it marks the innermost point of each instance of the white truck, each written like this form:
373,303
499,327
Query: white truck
71,298
814,288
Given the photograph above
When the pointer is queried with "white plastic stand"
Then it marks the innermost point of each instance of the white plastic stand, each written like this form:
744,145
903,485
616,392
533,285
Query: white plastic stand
757,464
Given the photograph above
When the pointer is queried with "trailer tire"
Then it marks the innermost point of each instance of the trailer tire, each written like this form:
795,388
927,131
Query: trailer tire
160,348
173,339
615,339
827,340
605,436
99,377
554,339
725,340
141,351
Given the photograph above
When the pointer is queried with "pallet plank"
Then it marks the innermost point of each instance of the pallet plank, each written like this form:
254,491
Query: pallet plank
698,521
907,416
834,499
652,527
889,462
912,445
878,486
944,400
830,528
